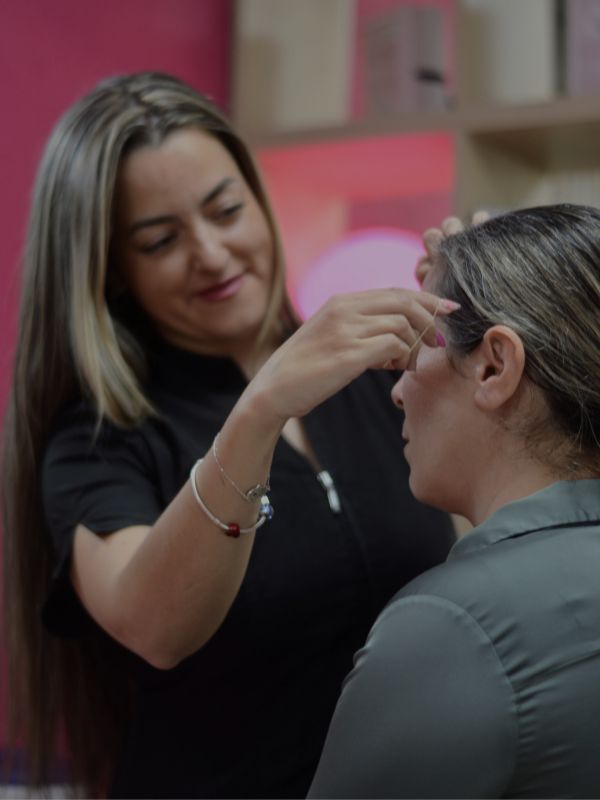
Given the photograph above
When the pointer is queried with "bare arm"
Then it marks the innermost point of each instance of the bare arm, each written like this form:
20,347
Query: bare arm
163,591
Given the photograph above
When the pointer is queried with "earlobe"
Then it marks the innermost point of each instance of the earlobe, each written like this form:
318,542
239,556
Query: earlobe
499,366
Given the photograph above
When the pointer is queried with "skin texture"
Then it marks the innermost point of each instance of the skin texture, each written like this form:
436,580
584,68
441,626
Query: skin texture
437,402
193,245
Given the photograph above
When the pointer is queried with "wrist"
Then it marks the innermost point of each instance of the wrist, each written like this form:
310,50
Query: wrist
255,409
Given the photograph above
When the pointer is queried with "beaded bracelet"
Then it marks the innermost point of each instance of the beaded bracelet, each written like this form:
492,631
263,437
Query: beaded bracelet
231,529
251,495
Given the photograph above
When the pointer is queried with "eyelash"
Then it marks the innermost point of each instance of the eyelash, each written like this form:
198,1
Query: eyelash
230,211
158,245
224,214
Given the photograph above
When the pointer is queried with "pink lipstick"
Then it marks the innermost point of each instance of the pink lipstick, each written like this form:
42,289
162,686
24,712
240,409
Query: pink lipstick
221,291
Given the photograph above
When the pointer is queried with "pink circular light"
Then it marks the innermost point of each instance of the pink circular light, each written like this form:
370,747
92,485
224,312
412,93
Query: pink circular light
375,258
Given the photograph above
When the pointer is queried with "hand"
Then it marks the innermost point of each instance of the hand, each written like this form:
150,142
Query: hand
380,328
434,236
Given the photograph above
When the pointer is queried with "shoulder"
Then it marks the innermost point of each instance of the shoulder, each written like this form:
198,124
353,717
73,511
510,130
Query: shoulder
476,591
78,432
89,463
427,667
424,617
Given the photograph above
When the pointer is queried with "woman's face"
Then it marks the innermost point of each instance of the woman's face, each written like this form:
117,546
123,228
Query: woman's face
192,243
439,427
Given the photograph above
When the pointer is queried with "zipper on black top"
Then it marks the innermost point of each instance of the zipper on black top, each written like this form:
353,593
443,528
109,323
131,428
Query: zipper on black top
333,497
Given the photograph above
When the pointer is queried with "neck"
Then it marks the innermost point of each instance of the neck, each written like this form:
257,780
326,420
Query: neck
247,355
502,484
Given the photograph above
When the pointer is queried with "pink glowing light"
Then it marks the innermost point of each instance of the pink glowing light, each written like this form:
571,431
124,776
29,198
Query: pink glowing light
376,258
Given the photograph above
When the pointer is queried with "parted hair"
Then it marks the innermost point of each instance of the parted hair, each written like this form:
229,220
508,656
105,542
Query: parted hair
537,271
75,339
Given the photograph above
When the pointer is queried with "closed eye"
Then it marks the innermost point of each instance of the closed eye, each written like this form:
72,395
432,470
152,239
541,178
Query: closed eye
158,244
229,211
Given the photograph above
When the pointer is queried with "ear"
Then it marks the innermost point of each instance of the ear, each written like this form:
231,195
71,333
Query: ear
499,362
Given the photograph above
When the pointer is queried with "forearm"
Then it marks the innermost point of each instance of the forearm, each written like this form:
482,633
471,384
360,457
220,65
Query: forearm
170,591
178,585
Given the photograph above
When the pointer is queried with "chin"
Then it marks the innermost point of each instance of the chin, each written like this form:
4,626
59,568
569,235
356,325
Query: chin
430,494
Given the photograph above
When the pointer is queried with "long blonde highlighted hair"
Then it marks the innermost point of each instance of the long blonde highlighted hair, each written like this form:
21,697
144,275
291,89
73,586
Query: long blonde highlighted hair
71,341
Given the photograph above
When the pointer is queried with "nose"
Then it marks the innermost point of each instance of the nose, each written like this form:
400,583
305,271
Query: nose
397,392
208,251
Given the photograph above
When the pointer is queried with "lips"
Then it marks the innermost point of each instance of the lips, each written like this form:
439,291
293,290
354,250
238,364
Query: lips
222,290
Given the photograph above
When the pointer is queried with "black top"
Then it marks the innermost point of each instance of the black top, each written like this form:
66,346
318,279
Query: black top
503,641
246,716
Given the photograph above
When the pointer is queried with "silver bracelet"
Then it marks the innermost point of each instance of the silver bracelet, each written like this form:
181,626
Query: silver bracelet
232,529
249,496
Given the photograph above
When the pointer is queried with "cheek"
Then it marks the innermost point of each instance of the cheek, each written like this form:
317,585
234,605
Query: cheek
258,239
148,284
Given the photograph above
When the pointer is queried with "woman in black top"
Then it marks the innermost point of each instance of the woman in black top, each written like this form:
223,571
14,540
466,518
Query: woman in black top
196,658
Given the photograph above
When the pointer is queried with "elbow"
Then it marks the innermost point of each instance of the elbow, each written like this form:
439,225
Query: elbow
162,660
161,632
161,646
163,652
162,655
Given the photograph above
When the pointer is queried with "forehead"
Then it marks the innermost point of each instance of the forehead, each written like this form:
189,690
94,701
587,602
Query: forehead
185,158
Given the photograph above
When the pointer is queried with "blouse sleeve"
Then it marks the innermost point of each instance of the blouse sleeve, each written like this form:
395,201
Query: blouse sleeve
102,479
426,712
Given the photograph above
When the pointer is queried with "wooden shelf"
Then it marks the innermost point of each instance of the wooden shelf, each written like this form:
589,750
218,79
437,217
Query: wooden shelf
503,154
423,122
558,112
577,120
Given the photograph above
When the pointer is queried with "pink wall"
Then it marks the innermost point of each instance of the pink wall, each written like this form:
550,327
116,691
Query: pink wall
323,190
51,52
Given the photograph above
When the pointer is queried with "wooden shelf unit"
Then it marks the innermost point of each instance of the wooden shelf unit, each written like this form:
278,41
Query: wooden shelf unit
506,154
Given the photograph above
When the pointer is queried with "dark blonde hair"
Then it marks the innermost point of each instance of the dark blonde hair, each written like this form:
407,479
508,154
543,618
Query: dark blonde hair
537,271
72,341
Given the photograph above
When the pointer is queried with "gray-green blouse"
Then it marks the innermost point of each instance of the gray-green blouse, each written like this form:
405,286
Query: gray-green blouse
481,678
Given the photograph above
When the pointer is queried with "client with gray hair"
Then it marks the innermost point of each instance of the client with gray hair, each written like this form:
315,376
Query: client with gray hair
481,676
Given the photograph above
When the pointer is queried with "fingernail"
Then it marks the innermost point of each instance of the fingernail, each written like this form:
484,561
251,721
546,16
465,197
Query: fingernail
449,305
441,342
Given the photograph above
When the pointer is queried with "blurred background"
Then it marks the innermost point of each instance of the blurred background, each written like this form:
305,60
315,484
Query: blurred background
371,119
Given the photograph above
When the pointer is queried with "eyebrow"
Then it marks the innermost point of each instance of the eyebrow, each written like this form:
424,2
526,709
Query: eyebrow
167,218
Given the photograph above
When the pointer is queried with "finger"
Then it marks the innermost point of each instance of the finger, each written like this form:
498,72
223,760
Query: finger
419,308
438,306
356,314
422,269
452,225
432,238
401,356
420,327
480,216
385,352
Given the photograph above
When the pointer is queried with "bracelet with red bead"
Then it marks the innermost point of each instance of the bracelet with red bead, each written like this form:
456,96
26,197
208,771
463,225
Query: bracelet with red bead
232,528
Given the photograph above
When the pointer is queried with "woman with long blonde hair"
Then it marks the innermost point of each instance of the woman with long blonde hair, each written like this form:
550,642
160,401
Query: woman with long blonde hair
165,630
